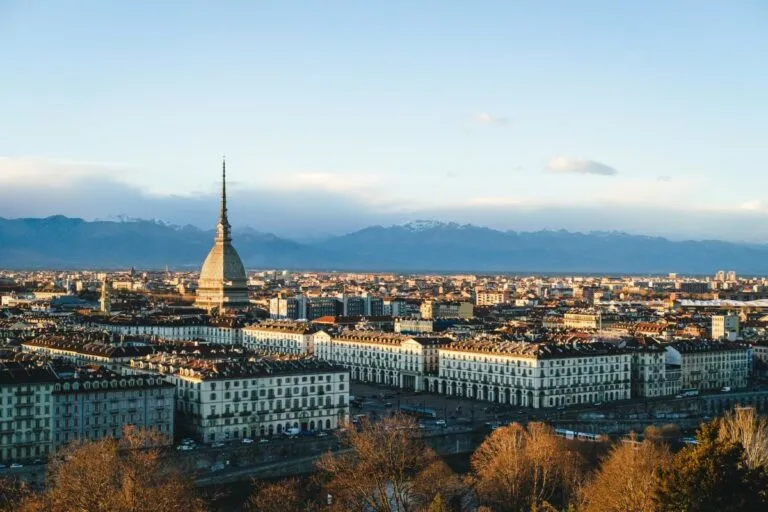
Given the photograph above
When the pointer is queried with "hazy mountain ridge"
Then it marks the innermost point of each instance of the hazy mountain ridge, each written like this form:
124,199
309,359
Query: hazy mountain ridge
63,242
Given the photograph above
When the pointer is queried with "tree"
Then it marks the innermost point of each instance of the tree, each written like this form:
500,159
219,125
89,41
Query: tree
282,496
627,479
110,475
744,427
13,494
519,468
711,477
387,467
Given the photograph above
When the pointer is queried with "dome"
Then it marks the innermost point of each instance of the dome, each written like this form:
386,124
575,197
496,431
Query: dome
222,264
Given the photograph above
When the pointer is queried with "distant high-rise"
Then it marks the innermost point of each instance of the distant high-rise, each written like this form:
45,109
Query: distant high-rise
223,284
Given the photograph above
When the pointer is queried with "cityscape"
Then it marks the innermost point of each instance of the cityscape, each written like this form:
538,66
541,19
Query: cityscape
253,373
383,311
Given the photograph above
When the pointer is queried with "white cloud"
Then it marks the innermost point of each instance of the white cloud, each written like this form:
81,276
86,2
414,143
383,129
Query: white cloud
53,172
754,205
492,202
563,164
486,118
325,181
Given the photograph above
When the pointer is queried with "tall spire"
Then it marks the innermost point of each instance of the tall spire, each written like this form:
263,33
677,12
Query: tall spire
223,227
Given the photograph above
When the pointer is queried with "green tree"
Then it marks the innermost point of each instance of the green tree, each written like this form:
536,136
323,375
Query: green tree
711,477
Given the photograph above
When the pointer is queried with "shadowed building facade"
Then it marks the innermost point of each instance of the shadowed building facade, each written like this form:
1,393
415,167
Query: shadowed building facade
223,284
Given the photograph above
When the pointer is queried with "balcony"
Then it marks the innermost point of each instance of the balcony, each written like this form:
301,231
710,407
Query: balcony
20,405
24,393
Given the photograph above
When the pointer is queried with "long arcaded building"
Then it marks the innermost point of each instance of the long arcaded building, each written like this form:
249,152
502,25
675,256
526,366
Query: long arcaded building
534,375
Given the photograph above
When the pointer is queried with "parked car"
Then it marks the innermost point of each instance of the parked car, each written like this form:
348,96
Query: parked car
16,465
185,447
217,444
263,440
322,434
440,423
247,440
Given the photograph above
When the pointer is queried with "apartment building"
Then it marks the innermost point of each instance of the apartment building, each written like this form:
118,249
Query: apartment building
491,297
725,327
431,310
651,377
230,399
380,357
581,320
224,330
97,403
537,375
26,412
413,326
281,337
87,348
709,365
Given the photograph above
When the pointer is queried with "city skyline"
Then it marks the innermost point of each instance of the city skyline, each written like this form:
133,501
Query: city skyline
588,117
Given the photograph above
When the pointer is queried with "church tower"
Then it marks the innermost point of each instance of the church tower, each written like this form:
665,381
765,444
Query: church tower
105,303
223,284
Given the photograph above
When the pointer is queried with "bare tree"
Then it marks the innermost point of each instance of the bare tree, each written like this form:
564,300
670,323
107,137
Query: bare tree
121,476
282,496
627,479
13,494
520,468
387,468
744,427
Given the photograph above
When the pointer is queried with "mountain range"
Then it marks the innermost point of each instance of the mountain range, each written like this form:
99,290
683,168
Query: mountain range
63,242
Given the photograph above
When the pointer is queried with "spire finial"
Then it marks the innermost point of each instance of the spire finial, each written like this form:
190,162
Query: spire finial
223,229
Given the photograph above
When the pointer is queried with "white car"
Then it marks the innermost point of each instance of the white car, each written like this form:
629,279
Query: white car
16,465
247,440
263,440
322,434
185,447
217,444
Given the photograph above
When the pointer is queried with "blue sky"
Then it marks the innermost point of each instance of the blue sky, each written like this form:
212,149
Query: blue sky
649,117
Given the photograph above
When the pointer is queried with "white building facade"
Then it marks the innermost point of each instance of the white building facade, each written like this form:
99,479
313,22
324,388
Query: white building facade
222,400
534,375
292,338
383,358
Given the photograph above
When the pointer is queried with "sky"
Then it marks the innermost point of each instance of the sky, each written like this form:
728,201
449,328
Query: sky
645,117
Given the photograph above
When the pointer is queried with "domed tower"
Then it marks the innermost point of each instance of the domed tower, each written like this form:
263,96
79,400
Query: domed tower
223,284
